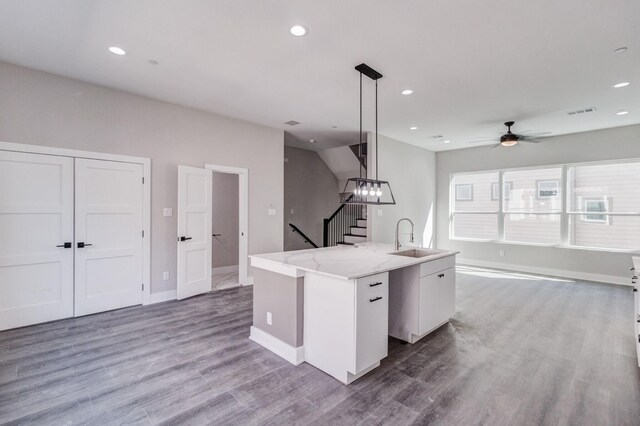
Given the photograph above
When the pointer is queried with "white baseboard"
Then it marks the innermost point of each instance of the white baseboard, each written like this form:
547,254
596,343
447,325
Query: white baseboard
163,296
224,270
249,281
294,355
584,276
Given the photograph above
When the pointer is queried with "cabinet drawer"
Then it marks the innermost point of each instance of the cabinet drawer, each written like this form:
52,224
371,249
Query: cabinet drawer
372,320
437,265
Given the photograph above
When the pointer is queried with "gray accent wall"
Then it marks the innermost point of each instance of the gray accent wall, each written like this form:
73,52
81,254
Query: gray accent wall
226,208
609,144
310,190
283,297
44,109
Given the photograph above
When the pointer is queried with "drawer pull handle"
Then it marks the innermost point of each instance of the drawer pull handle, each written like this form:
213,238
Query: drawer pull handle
440,275
375,284
375,299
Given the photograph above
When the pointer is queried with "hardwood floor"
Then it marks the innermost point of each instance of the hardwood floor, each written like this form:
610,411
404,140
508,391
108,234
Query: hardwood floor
520,350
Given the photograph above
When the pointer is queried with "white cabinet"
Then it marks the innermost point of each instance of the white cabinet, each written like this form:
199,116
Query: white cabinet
437,300
372,321
345,324
421,298
636,304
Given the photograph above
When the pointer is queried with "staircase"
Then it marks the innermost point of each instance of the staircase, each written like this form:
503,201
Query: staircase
348,224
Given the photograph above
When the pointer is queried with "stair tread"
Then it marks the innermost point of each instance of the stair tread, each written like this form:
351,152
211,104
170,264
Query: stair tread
345,244
359,227
354,235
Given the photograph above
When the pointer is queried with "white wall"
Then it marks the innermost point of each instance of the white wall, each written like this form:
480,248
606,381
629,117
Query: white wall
411,172
342,162
618,143
43,109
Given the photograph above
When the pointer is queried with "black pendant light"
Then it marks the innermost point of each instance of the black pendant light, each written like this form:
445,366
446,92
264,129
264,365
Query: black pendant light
362,190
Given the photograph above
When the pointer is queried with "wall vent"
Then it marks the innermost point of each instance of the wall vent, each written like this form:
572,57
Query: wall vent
582,111
292,122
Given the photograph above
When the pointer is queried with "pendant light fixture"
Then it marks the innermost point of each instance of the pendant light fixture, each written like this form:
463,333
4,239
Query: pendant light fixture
362,190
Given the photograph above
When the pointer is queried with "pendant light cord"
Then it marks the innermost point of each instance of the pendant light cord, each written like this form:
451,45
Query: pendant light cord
376,129
360,144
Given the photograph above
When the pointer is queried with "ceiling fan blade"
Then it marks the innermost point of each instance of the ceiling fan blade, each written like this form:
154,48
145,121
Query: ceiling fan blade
528,140
496,145
535,134
483,140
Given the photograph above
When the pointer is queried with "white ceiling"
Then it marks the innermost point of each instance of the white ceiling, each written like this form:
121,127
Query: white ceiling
472,64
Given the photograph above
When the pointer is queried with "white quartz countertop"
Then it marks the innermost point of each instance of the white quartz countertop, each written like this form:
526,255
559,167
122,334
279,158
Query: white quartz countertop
347,262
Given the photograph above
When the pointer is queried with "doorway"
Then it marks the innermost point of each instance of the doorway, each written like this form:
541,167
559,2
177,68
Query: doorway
225,244
229,254
195,228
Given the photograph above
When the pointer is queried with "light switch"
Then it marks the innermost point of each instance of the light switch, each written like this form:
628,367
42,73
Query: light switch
379,212
271,212
165,276
168,211
291,211
269,318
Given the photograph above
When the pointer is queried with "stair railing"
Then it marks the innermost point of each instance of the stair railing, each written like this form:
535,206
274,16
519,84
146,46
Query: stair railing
340,223
306,239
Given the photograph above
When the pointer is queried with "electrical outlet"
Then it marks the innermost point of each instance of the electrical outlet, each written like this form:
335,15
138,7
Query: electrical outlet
168,211
291,211
165,276
271,212
269,318
501,253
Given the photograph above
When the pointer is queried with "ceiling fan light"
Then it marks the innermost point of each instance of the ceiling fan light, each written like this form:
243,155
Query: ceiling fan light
510,142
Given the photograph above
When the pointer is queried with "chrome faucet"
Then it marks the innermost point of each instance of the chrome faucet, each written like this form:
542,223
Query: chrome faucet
398,245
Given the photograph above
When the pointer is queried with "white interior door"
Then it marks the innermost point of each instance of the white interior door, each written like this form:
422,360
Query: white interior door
36,220
108,235
194,231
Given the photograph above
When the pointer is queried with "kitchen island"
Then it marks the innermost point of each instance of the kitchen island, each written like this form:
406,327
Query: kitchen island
334,307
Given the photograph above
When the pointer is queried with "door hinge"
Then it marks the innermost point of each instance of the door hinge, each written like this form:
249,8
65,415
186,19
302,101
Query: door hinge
143,180
142,286
143,233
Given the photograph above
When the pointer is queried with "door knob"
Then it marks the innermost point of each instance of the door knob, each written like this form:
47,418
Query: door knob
83,245
185,238
65,245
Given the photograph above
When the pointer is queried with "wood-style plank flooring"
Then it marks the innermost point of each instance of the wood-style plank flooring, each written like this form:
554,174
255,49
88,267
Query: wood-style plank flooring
521,350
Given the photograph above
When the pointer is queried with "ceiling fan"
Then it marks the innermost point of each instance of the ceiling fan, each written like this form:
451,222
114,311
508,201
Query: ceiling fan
511,139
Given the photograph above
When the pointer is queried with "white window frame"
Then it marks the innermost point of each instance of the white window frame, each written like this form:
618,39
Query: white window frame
496,186
566,214
461,185
604,213
543,197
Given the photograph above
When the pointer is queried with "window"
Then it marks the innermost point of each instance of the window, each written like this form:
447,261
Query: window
592,205
547,188
495,192
475,213
598,205
464,192
603,205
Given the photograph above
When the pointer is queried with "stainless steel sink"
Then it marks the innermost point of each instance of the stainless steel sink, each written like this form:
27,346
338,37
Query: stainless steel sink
415,253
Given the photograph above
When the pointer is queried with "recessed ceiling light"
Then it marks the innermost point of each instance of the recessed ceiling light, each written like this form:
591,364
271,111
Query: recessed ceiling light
407,91
413,128
117,50
620,50
446,141
153,62
623,112
298,31
619,85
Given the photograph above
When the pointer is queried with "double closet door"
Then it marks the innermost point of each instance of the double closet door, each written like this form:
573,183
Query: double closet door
71,240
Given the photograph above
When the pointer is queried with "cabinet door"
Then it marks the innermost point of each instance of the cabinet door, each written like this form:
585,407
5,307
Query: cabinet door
446,294
372,320
429,309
